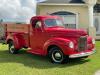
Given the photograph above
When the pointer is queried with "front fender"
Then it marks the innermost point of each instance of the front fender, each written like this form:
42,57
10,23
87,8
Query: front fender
59,42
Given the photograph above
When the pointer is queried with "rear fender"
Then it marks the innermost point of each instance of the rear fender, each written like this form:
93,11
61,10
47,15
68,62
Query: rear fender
18,40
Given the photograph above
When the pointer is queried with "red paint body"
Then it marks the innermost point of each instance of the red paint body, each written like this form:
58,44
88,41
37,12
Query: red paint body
40,39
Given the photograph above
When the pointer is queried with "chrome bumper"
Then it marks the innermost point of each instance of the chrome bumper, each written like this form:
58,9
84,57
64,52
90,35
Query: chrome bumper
82,54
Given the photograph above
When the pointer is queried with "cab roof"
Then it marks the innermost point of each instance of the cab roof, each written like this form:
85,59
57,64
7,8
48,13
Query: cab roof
46,16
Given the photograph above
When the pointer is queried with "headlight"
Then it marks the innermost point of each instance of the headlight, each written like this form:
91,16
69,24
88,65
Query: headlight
71,45
93,41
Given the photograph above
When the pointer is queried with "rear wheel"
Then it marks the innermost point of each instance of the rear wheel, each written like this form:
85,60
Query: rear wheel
12,48
57,56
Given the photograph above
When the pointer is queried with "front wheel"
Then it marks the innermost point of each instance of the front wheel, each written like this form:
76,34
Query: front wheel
12,48
57,56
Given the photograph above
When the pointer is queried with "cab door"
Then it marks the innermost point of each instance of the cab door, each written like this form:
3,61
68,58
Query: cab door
37,37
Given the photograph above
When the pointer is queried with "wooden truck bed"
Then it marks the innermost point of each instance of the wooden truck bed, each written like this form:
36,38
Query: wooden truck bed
18,28
13,28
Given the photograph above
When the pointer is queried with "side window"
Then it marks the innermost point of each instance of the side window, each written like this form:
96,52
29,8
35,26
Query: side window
38,24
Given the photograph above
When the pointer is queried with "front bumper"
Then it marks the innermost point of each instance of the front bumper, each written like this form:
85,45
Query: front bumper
83,54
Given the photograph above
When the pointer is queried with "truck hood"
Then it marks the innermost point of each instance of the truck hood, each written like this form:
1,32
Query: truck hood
66,31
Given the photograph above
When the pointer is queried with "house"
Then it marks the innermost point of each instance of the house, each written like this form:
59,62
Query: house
77,14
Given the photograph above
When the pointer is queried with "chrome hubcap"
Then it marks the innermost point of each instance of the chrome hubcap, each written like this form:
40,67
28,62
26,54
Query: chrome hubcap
57,56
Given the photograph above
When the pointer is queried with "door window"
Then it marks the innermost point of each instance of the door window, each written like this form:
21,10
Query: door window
37,24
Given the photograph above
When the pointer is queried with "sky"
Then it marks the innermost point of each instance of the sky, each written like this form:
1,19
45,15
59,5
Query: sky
17,10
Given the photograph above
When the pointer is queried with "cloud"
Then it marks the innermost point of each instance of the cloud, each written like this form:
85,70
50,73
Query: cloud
17,10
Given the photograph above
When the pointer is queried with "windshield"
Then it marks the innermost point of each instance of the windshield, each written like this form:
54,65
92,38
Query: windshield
54,22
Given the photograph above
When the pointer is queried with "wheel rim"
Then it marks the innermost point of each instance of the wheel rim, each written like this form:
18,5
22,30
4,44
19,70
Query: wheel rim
12,49
57,56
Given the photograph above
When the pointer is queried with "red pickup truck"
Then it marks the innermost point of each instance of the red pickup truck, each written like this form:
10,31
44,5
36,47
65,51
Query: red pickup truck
46,35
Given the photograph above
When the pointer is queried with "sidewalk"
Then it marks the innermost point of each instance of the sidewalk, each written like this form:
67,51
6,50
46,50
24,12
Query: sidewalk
98,72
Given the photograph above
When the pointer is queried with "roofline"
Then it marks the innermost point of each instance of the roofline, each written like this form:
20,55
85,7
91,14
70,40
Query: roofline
73,4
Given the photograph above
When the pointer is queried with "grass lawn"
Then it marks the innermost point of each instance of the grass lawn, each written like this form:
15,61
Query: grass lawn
28,64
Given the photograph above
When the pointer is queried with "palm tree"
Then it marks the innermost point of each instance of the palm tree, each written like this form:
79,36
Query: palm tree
1,20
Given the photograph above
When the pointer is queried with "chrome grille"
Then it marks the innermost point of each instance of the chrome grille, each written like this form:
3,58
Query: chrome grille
82,43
